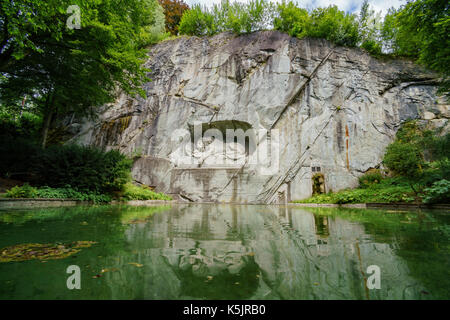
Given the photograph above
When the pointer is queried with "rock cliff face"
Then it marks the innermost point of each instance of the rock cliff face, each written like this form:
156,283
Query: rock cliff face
325,109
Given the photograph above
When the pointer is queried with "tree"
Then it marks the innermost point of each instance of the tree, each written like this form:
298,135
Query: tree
236,17
419,156
291,19
173,10
370,29
66,70
420,29
334,25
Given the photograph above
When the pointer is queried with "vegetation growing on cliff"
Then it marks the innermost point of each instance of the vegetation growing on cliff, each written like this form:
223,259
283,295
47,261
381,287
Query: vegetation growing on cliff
419,29
173,10
418,169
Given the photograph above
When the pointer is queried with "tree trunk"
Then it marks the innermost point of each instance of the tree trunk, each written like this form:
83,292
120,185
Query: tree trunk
48,116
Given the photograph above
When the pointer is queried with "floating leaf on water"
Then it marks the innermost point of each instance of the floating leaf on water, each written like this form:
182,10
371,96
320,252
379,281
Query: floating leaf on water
136,264
30,251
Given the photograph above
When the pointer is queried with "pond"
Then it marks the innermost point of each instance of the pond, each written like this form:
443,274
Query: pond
224,252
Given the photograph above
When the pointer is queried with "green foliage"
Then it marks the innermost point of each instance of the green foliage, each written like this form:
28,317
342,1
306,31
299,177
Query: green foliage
66,193
419,155
19,124
439,192
84,168
334,25
318,181
420,29
328,23
17,154
132,192
417,159
377,193
197,21
370,29
404,159
63,71
370,178
24,192
404,156
291,19
372,46
233,17
72,194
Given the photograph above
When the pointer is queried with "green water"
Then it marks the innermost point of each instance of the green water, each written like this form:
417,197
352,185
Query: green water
230,252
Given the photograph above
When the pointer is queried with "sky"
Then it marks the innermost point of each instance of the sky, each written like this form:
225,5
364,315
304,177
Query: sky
346,5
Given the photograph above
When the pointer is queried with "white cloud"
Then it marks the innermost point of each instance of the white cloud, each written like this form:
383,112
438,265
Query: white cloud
347,5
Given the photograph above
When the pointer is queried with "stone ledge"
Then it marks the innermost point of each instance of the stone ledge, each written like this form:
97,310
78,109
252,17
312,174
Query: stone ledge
329,205
144,203
39,203
405,206
6,203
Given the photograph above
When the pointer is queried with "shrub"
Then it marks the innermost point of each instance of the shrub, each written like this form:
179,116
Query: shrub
372,46
132,192
198,22
370,178
234,17
24,192
25,124
173,10
404,159
334,25
16,156
291,19
438,193
83,168
72,194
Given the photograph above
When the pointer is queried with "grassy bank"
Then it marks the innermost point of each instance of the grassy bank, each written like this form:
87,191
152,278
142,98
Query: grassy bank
389,191
386,190
129,192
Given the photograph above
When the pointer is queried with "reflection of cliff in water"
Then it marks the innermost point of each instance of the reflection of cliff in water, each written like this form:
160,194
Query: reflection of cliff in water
254,252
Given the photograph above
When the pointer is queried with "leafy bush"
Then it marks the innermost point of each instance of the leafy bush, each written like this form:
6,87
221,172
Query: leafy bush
234,17
24,192
132,192
72,194
66,193
373,47
370,178
83,168
384,192
438,193
404,158
334,25
291,19
19,124
16,156
198,22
